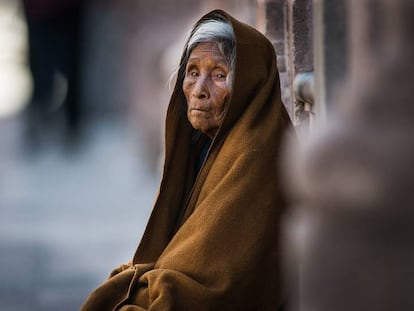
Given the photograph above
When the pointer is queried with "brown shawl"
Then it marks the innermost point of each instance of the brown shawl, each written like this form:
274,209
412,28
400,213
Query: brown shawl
224,252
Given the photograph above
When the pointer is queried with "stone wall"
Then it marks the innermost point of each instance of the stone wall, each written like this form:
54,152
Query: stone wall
288,24
272,22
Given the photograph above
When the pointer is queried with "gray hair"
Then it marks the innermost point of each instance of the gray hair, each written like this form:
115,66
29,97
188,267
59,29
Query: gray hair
213,30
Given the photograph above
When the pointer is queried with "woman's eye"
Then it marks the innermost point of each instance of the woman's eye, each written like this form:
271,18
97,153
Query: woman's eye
220,76
192,73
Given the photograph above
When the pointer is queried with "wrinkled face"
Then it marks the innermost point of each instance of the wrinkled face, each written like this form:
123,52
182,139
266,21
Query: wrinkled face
205,87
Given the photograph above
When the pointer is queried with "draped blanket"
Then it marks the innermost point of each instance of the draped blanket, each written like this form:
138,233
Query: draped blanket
222,253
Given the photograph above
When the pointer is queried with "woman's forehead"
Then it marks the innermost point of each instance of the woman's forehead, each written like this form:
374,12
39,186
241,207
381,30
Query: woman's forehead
206,49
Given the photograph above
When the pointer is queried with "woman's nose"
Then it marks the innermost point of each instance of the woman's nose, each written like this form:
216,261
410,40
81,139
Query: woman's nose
201,89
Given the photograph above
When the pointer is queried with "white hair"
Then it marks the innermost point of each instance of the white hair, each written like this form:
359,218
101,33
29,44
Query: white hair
213,30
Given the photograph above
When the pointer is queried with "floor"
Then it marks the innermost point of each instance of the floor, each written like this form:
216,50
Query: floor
68,218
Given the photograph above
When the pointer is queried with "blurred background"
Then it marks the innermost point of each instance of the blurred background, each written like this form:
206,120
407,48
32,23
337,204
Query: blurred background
84,87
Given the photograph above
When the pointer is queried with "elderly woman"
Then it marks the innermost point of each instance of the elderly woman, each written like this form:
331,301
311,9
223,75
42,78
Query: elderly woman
212,240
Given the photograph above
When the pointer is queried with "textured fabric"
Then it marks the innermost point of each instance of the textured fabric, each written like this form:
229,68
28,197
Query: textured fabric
223,254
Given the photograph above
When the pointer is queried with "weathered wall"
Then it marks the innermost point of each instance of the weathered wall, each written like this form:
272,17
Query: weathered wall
288,24
273,23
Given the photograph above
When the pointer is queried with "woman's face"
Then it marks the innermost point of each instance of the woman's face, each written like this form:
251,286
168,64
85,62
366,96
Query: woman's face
205,87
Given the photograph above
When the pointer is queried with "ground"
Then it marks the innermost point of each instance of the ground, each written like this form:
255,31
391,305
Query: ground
67,219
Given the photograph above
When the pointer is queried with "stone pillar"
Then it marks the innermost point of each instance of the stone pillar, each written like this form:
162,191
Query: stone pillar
354,230
331,57
288,24
299,49
272,21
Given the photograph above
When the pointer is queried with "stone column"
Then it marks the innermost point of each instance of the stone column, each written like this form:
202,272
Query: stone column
354,230
299,49
331,57
288,24
272,21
